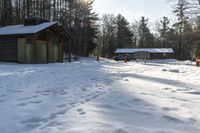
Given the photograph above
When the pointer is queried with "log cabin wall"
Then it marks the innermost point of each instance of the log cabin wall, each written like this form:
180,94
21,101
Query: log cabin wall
8,49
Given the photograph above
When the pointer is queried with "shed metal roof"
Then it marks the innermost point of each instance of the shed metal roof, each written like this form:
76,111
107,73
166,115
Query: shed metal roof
21,29
150,50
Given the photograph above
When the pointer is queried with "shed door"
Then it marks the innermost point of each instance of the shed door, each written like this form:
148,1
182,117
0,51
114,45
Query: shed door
41,52
8,50
56,48
44,52
29,53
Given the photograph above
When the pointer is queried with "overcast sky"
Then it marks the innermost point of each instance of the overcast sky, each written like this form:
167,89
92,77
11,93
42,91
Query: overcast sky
134,9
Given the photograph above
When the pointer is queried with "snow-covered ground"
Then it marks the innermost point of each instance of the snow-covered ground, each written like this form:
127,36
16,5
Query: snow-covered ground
100,97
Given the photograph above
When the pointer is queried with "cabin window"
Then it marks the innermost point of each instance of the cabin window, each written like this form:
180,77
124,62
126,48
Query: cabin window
55,42
8,41
29,41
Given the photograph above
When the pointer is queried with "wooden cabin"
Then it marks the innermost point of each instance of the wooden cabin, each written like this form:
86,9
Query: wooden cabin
37,41
146,53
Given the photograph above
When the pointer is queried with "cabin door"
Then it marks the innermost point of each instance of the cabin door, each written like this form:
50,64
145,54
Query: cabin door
56,48
41,52
29,53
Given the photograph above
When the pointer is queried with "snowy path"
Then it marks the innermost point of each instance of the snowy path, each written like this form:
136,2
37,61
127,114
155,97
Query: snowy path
105,97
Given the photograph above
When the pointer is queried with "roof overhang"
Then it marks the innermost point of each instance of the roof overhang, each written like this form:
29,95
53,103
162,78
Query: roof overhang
60,31
21,30
149,50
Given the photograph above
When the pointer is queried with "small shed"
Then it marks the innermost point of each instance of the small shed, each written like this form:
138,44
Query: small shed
147,53
36,41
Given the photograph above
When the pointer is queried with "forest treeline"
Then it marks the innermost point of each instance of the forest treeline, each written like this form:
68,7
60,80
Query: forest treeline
103,35
182,33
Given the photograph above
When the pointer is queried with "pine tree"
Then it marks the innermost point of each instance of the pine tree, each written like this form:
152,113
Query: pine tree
6,12
164,30
85,25
144,33
108,35
1,11
124,34
179,11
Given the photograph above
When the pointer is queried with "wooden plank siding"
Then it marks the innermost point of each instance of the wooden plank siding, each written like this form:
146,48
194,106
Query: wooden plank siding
21,50
8,52
41,51
8,47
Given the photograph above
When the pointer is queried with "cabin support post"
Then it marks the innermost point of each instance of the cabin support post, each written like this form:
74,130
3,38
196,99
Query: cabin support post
48,45
61,52
69,52
35,49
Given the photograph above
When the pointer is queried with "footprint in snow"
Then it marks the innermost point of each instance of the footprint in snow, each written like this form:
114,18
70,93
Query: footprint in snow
183,90
2,95
54,124
121,131
63,93
170,109
27,103
87,100
82,102
173,91
73,104
25,98
32,126
35,96
44,94
61,112
22,104
61,106
95,96
126,80
14,91
167,89
172,119
33,120
80,111
170,89
2,101
194,93
35,102
84,89
44,91
148,94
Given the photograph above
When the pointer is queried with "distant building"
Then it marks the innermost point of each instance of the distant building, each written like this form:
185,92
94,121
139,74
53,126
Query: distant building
37,41
146,53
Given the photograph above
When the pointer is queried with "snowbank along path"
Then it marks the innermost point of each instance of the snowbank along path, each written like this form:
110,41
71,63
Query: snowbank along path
100,97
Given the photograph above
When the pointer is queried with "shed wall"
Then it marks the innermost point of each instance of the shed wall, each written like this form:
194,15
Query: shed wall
141,55
43,47
8,49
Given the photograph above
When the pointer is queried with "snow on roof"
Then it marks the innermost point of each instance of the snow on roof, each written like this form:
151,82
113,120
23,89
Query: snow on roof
21,29
150,50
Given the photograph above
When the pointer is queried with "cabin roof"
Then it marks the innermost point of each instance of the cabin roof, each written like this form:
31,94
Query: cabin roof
150,50
21,29
34,29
